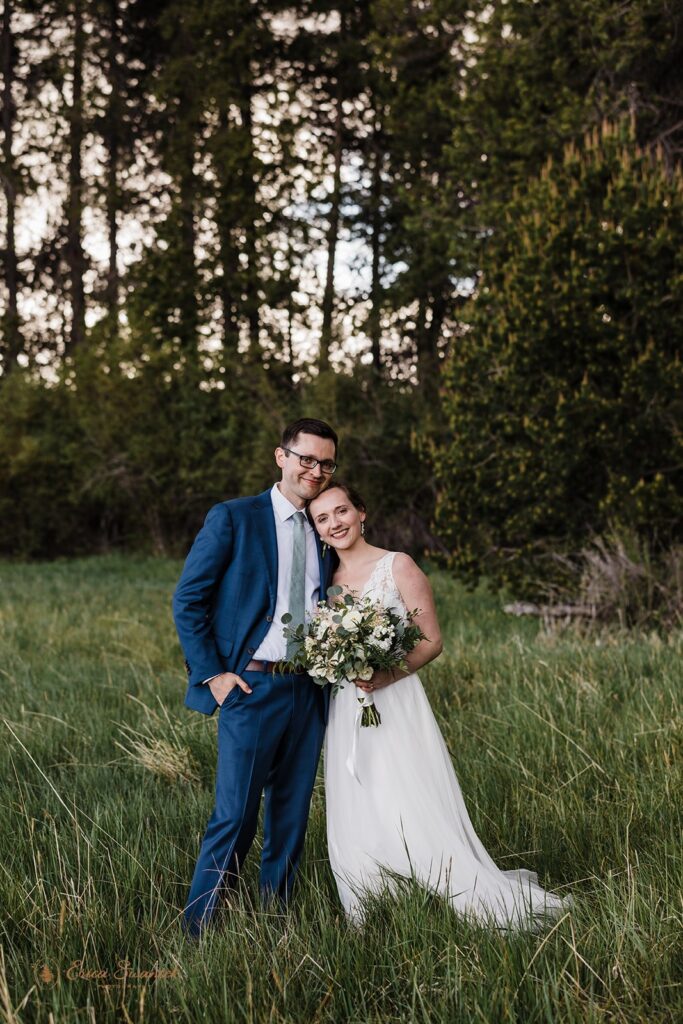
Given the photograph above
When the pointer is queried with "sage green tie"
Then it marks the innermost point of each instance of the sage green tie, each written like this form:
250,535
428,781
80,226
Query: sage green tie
297,582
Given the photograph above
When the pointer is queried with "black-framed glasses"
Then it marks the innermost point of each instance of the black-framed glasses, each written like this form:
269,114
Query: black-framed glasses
308,462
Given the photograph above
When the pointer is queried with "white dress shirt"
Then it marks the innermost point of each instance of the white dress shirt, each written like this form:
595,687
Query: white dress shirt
274,646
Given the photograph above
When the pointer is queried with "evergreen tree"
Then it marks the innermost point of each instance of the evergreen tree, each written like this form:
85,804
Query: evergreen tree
563,396
541,74
75,112
49,136
119,99
417,99
11,343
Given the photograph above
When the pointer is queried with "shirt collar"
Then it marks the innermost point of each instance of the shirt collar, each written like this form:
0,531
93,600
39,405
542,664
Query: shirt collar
283,506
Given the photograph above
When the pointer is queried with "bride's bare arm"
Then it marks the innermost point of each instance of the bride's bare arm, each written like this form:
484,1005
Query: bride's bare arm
416,591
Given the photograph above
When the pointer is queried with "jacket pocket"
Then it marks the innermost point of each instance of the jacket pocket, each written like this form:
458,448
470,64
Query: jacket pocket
224,645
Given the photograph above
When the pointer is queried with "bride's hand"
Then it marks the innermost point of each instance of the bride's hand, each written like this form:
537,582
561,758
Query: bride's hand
378,680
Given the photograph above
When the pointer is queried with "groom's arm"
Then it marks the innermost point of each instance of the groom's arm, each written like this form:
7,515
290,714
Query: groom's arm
204,567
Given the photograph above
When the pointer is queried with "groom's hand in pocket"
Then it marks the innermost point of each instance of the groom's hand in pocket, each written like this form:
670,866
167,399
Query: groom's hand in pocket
223,684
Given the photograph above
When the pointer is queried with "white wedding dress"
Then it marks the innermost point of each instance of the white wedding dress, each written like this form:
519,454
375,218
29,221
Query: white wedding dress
403,814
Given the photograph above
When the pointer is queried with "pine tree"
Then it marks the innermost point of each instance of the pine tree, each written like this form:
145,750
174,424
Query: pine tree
563,396
416,46
74,254
11,344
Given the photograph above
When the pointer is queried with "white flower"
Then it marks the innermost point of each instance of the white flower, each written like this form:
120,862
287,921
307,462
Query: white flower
383,645
365,673
380,633
352,619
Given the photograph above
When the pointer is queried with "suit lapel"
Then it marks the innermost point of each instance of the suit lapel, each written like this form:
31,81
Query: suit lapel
266,525
263,507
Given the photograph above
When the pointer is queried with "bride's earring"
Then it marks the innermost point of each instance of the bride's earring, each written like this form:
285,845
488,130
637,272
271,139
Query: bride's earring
362,528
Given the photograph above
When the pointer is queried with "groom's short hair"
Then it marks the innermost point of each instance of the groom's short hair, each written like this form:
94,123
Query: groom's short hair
306,426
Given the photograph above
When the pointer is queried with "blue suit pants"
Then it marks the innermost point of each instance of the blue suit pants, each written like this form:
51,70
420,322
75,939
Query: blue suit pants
269,742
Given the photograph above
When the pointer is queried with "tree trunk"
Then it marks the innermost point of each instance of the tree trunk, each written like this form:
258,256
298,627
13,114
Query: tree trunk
184,142
420,327
375,324
225,224
251,297
74,247
288,353
12,344
332,236
112,143
428,354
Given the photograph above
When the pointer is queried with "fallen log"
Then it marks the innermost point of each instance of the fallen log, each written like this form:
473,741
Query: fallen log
551,611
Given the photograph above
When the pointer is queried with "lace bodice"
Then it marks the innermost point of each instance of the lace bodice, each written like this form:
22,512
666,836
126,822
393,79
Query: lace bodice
381,585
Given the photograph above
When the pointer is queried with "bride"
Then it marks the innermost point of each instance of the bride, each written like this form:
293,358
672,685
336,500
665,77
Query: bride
398,809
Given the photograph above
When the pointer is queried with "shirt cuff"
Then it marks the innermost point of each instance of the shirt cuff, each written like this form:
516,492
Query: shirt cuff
205,681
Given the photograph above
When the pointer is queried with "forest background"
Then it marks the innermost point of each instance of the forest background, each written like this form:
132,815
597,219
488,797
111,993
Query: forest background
454,230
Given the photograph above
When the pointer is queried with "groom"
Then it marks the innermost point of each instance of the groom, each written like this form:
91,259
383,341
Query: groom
253,560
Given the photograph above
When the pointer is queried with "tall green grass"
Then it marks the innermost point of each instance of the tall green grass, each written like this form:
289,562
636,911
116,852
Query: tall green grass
568,753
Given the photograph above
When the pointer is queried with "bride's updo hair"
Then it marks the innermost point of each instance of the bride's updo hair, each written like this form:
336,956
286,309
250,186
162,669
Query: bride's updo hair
350,492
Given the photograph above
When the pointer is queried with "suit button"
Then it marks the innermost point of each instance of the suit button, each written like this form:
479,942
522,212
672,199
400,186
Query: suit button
250,650
269,618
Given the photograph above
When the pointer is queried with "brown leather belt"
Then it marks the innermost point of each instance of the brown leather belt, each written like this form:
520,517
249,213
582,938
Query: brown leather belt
267,666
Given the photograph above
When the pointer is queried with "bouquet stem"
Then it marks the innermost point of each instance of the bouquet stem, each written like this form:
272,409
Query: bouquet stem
370,715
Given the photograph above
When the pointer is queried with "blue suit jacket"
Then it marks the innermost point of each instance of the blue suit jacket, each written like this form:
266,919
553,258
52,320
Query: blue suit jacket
224,602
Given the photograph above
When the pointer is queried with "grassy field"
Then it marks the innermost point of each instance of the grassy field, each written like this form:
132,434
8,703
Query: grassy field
568,754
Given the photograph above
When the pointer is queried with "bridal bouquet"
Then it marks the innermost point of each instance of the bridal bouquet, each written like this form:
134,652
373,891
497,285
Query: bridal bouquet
349,640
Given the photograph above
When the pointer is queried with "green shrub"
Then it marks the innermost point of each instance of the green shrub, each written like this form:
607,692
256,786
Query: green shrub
131,453
564,396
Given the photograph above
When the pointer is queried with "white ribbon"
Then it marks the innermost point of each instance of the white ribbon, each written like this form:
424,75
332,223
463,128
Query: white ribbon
366,701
